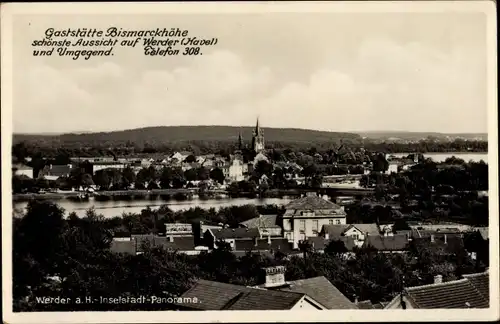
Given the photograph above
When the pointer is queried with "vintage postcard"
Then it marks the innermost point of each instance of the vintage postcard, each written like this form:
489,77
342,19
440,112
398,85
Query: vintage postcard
262,161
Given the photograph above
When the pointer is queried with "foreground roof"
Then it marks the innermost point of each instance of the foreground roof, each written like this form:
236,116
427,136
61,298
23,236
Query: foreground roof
214,295
470,292
321,290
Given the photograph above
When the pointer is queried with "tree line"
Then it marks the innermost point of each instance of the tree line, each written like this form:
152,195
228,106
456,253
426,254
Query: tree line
38,146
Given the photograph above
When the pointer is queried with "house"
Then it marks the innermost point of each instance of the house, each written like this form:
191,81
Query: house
54,172
266,224
274,294
205,225
178,229
387,244
322,291
472,291
358,232
318,288
306,216
181,156
393,167
23,170
229,235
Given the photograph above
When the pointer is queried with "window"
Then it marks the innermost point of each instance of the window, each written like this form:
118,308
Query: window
338,221
330,222
355,236
302,225
315,226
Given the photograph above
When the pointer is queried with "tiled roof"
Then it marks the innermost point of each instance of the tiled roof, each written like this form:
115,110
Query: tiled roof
280,244
127,247
228,233
334,231
320,243
453,294
481,281
370,229
387,243
311,202
214,295
321,290
262,221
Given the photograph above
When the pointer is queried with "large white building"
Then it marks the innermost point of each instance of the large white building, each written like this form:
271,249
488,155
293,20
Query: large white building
306,216
234,170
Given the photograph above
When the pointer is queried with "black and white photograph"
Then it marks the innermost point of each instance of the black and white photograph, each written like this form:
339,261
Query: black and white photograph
163,159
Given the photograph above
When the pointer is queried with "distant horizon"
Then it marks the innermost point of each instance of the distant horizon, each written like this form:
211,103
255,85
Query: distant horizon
77,132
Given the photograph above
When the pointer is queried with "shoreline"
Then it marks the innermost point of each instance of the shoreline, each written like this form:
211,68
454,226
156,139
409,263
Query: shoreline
177,194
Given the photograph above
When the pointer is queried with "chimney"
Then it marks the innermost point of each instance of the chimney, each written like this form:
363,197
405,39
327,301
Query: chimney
445,239
438,279
269,239
171,239
327,236
275,276
432,238
256,241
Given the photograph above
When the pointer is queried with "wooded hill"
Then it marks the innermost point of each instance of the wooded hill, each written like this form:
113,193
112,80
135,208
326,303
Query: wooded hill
168,134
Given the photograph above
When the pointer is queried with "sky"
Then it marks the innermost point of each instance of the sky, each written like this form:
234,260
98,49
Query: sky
324,71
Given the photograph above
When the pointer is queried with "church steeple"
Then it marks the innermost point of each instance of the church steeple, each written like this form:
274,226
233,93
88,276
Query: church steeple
258,138
240,142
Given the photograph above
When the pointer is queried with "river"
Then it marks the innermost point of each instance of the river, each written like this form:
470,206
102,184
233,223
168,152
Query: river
113,208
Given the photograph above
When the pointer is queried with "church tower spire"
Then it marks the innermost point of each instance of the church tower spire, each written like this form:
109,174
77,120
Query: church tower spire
240,142
258,138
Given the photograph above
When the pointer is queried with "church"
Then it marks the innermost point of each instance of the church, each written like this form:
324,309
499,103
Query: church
237,168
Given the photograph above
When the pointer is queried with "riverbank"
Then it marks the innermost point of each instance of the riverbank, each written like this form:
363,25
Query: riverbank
186,194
